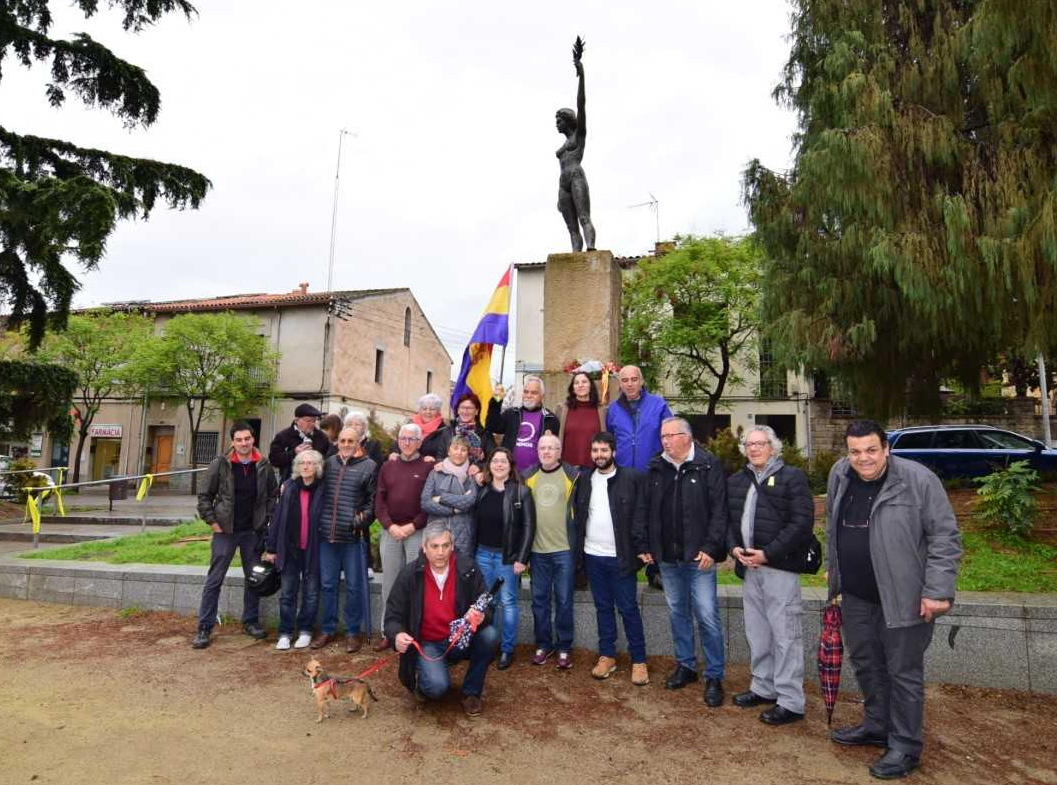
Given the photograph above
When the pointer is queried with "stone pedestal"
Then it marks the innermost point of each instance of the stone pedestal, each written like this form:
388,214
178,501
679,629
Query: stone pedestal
581,314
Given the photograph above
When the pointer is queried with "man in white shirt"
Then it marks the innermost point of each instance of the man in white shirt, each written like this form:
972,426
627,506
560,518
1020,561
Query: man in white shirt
605,506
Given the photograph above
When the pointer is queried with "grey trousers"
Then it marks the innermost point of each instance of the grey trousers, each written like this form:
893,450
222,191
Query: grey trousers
774,628
889,664
395,554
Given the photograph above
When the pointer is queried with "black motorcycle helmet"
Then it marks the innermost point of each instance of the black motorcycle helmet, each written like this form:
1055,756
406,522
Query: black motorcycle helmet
263,580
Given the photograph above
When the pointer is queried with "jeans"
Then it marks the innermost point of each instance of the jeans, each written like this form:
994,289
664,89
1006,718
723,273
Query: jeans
222,551
433,677
687,588
334,559
553,574
492,567
609,588
295,577
395,555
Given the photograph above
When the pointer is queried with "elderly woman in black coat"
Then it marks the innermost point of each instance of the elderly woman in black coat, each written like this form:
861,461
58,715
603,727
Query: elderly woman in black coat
771,520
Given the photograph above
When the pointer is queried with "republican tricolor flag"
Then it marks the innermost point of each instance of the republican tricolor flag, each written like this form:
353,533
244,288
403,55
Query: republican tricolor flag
493,330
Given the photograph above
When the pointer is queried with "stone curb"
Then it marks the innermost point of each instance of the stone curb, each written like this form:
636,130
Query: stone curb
999,640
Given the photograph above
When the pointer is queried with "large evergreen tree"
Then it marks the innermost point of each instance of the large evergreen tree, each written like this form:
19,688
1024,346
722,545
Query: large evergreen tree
916,234
59,201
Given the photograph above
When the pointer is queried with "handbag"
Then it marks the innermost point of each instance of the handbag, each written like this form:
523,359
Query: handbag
807,561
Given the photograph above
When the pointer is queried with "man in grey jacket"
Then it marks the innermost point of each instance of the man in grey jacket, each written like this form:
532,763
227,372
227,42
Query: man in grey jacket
238,494
893,557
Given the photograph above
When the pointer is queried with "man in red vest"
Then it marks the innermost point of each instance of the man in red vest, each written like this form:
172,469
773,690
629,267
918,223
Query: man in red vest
430,593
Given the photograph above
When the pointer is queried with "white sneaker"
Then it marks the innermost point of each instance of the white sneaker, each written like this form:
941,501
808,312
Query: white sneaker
303,640
370,574
284,643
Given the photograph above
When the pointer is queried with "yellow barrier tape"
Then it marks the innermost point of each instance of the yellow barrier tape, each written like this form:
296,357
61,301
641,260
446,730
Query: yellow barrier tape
144,486
33,509
58,495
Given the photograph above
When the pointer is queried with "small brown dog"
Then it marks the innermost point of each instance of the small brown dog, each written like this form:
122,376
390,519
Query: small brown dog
326,688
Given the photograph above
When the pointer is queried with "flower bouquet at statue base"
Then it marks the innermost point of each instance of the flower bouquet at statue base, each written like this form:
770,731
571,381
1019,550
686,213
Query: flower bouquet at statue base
596,370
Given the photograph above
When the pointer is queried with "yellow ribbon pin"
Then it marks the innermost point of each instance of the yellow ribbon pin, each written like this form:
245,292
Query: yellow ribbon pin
144,486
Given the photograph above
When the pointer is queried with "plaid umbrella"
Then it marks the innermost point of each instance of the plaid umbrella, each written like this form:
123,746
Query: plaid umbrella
830,657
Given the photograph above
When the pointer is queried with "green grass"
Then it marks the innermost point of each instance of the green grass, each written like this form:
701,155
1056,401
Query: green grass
149,548
1006,564
991,562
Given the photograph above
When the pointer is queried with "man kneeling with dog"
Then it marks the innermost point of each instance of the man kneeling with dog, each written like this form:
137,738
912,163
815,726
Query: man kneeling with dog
430,593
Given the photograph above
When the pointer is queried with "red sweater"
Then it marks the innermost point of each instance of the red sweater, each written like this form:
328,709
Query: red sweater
438,607
399,497
581,424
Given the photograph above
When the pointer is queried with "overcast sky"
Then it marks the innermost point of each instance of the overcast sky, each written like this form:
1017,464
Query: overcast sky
452,175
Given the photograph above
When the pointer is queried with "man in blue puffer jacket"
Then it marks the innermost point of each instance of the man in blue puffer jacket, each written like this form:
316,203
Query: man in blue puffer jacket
635,420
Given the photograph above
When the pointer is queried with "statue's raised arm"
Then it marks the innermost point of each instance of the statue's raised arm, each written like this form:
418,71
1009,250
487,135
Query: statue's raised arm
574,197
581,100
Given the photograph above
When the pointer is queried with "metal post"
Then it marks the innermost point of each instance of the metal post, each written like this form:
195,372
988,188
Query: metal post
342,133
1045,395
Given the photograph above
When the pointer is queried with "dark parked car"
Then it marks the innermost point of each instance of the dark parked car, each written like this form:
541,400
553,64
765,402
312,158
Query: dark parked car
969,450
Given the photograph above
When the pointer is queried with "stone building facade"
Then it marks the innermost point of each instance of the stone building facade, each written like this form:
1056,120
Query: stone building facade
369,350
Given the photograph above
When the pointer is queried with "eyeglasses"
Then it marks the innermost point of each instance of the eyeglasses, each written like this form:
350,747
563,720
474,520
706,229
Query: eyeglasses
409,439
757,444
673,435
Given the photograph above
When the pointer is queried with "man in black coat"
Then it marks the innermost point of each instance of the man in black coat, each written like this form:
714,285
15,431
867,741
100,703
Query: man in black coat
430,593
300,436
522,426
681,523
604,510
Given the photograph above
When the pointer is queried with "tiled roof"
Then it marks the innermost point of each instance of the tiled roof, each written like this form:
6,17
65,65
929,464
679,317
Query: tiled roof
235,302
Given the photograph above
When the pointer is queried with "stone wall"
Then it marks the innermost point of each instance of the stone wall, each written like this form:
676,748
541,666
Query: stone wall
827,429
990,640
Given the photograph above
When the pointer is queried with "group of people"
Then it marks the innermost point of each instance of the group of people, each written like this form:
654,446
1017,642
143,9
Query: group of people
609,490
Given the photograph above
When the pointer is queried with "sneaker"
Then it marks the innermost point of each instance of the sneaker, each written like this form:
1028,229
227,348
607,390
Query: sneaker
541,656
284,643
201,640
303,640
565,661
604,668
640,674
370,574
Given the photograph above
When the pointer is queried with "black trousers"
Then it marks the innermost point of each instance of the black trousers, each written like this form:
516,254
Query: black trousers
889,664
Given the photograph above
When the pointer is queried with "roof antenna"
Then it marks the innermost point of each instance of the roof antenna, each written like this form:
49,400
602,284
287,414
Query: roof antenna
655,208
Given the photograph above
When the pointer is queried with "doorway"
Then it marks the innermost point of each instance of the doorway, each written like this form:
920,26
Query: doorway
106,454
161,448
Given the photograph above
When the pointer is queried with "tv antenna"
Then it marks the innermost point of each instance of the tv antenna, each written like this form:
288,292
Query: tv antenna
655,208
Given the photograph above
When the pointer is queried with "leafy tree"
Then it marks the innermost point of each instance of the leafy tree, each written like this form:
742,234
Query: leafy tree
35,395
212,362
101,349
916,234
1022,373
58,200
692,313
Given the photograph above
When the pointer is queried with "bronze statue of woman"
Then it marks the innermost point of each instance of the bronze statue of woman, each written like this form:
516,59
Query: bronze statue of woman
574,197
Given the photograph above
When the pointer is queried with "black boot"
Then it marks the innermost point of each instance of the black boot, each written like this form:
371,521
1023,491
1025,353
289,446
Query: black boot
201,640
